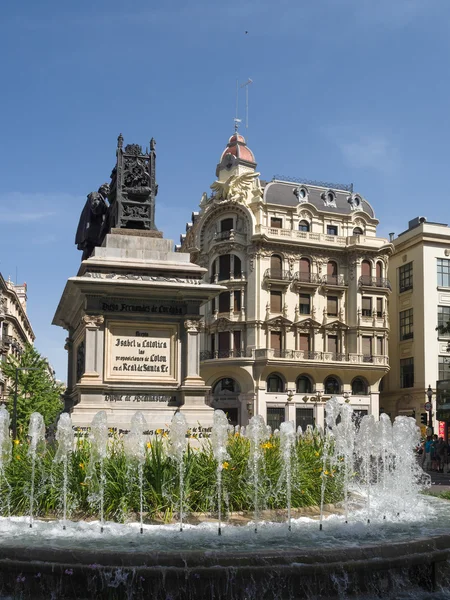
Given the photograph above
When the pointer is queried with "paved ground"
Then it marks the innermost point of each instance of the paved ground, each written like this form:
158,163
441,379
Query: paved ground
440,482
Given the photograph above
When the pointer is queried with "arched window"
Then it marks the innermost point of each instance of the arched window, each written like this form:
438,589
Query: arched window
237,267
304,385
379,269
224,267
366,268
332,272
303,226
358,231
276,266
359,387
274,383
305,269
331,386
226,386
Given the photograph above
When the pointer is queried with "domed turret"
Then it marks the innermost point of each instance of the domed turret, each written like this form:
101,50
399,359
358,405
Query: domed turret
236,153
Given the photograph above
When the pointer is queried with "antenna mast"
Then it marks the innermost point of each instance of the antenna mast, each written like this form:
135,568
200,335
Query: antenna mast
246,84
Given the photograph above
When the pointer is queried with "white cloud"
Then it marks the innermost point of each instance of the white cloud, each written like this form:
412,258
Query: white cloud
21,217
370,152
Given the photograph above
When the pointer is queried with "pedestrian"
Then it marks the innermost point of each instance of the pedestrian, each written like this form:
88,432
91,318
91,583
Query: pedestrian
426,456
441,453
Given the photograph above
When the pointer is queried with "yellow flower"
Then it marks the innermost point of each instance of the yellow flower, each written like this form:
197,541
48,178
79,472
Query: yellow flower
316,453
225,465
83,483
165,434
267,445
158,431
81,465
236,434
16,442
17,457
149,445
326,473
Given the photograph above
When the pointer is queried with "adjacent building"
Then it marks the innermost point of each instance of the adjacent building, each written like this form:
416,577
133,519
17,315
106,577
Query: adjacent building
304,314
419,354
15,328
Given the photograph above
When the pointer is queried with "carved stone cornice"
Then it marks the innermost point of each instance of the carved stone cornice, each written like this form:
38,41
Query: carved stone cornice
192,326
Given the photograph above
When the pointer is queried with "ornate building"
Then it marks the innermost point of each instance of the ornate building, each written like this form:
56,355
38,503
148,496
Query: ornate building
304,313
15,328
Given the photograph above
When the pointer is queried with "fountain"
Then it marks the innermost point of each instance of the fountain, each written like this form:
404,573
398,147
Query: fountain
36,433
386,540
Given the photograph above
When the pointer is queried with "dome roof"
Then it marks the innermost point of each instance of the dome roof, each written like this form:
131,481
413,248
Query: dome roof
237,147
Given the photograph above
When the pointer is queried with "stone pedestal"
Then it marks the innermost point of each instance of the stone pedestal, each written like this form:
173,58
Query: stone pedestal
133,319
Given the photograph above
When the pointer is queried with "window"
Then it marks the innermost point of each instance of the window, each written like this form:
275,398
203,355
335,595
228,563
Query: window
226,224
443,272
366,306
304,417
275,416
276,266
380,346
276,301
224,266
332,342
358,231
305,270
226,385
332,229
332,306
224,302
379,307
276,222
379,270
213,305
305,304
444,368
332,272
443,319
237,267
407,372
332,386
213,343
359,387
274,383
224,344
304,385
405,277
275,340
303,226
237,342
366,268
305,342
237,300
406,324
367,348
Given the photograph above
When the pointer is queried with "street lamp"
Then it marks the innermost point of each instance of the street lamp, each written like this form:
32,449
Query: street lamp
346,397
14,419
429,393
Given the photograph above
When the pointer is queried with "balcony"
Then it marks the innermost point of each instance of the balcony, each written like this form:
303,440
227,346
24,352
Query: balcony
306,280
277,276
301,236
377,282
334,281
221,278
228,236
320,357
221,354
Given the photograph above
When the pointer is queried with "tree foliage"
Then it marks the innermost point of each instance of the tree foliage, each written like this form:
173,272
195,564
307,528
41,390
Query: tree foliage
37,390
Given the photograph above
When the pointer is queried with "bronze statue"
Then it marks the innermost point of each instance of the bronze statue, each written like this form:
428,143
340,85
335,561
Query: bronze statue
91,220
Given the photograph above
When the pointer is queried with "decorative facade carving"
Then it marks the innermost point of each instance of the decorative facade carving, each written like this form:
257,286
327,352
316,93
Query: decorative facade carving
192,326
93,321
237,188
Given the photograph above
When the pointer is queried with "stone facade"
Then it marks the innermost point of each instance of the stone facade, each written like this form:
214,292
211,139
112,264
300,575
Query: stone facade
15,328
304,314
419,354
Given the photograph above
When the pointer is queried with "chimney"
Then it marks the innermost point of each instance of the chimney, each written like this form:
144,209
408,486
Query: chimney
391,236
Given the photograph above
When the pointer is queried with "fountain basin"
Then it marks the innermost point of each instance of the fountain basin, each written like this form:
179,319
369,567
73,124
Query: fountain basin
389,557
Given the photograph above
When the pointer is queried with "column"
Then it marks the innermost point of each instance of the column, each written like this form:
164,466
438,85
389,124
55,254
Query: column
231,303
191,354
70,362
231,266
93,346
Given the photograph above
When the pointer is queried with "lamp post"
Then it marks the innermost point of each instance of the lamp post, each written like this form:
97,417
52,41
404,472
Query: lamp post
16,381
346,397
429,393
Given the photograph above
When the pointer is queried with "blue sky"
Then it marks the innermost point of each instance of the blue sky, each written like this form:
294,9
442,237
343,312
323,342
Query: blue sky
343,90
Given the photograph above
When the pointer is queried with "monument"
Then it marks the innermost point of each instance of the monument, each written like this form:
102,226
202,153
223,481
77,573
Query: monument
132,312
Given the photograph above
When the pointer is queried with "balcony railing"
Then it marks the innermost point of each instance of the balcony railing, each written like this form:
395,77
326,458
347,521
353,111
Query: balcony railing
379,282
336,240
304,277
218,277
277,274
334,280
209,355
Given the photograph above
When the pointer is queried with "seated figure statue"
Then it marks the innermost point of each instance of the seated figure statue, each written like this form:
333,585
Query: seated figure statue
91,220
